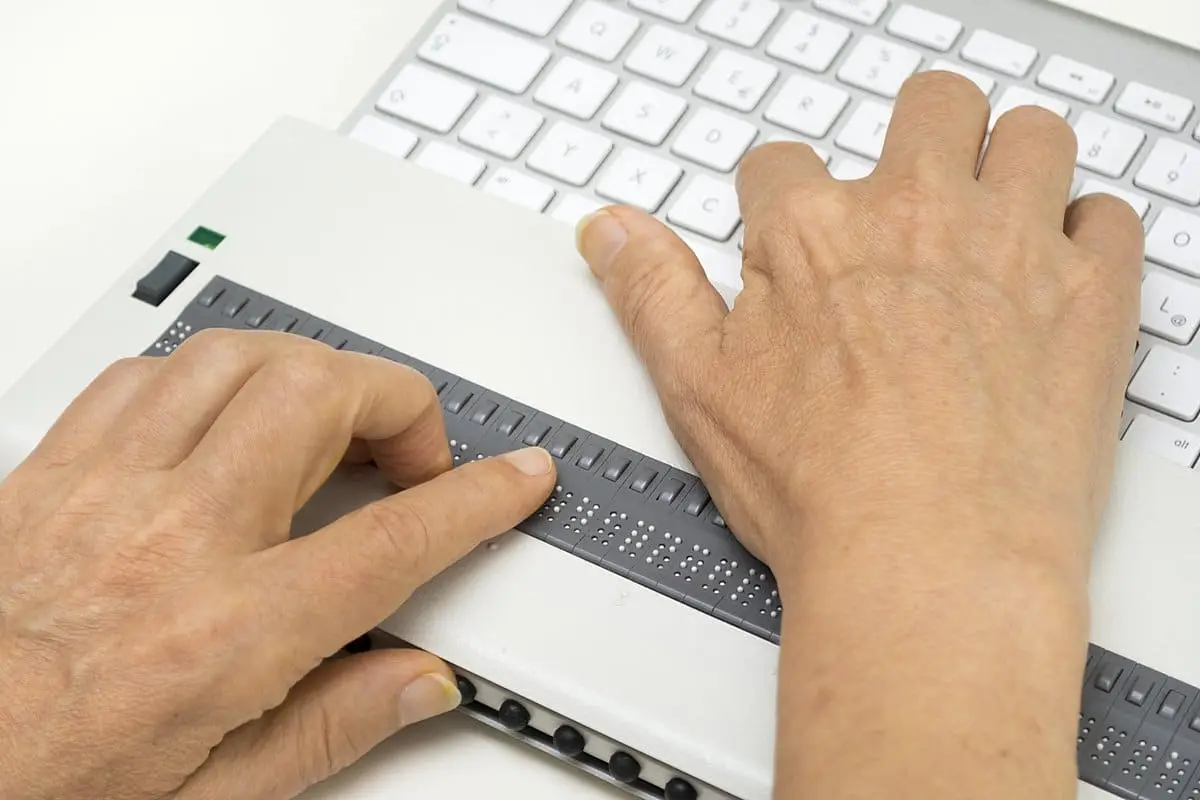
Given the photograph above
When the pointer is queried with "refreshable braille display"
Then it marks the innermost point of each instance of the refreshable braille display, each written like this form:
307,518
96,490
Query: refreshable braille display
562,106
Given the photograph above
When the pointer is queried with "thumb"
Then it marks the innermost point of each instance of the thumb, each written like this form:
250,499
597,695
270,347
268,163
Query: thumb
657,288
330,720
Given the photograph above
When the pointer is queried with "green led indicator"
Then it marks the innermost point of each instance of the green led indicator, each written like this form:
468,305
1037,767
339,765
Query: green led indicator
206,238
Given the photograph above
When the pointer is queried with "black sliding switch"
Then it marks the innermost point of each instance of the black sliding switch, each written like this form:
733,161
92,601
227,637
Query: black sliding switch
165,278
642,480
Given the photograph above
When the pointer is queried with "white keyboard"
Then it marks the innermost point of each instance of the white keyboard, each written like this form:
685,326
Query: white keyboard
562,106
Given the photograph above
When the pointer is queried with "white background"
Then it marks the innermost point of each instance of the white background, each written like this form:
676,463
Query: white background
115,116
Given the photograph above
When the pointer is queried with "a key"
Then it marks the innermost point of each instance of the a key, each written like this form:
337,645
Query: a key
519,189
1172,170
484,52
1075,79
426,98
391,139
537,17
572,208
1000,53
742,22
570,154
809,42
501,128
879,66
1105,145
599,30
1174,241
708,207
644,113
666,55
864,134
1161,109
714,139
821,154
452,162
852,169
1164,439
986,83
639,179
1170,307
576,88
1017,96
673,10
736,81
1168,381
919,26
864,12
1139,203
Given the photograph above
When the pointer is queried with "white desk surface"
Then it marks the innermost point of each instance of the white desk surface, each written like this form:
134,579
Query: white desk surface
115,116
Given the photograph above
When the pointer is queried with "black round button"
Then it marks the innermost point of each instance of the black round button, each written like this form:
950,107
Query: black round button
360,645
568,741
679,789
466,689
624,767
513,715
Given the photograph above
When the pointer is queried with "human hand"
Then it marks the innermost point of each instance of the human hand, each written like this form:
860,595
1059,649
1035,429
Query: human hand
931,337
161,636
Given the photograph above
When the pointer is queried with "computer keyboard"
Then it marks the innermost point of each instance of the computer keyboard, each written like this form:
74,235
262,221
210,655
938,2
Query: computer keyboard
562,106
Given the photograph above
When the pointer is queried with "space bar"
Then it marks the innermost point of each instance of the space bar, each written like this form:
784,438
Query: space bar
724,270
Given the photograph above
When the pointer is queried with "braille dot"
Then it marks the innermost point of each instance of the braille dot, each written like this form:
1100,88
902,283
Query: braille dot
695,548
620,548
704,552
678,540
1111,729
651,529
624,516
671,549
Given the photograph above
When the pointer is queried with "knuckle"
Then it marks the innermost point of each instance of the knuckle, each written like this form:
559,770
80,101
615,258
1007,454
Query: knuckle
306,373
403,529
213,343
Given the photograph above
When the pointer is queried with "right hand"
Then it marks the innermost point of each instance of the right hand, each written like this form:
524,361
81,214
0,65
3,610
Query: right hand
928,338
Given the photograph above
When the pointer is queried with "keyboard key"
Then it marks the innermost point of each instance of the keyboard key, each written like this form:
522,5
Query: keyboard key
851,169
1168,381
1139,203
485,53
1162,109
599,30
715,140
1017,96
879,66
572,208
1076,80
1170,307
809,42
807,106
1000,53
821,154
426,98
925,27
1164,439
452,162
865,12
639,179
501,128
1105,145
1172,170
736,81
864,134
986,83
576,88
519,189
743,22
673,10
644,113
391,139
1174,241
570,154
666,55
708,207
537,17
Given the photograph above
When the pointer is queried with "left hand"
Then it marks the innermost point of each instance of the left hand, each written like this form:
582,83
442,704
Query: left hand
162,636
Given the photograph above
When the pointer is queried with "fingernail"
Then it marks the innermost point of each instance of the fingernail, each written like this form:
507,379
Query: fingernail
533,461
600,237
428,696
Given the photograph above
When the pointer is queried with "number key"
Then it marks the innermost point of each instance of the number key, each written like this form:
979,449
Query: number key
1105,145
1172,170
